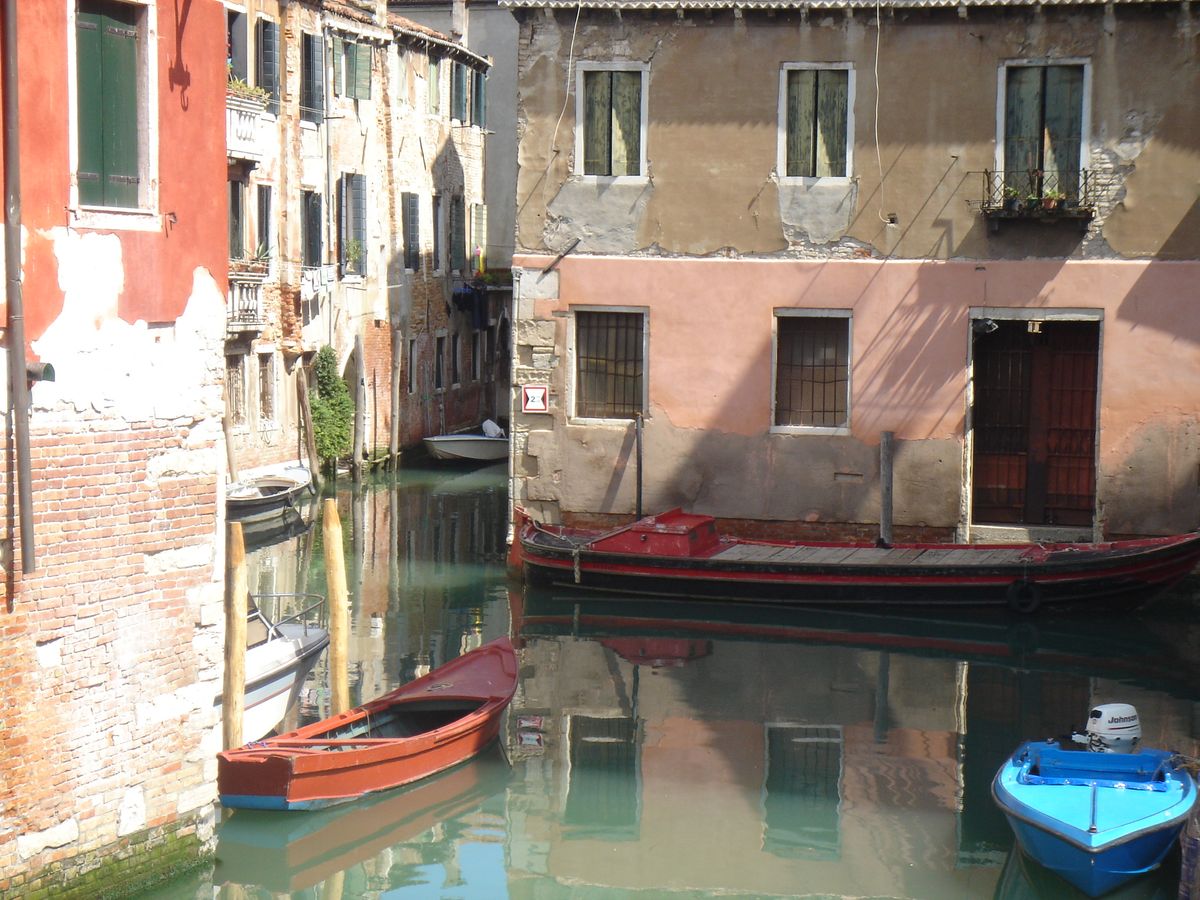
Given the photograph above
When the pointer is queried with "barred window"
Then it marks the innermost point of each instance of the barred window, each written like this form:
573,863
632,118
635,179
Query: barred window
812,371
235,388
609,365
266,387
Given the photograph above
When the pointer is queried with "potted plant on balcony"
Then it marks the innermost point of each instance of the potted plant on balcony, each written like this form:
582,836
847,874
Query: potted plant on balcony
1012,199
1052,199
256,264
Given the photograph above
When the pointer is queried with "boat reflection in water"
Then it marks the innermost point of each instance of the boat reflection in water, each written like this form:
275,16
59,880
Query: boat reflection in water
753,750
286,852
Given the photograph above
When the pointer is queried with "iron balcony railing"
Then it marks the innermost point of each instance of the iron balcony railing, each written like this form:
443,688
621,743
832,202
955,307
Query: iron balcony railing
1038,194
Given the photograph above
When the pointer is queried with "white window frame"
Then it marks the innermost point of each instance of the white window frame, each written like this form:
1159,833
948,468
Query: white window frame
644,312
146,216
1085,122
266,362
581,69
848,315
781,132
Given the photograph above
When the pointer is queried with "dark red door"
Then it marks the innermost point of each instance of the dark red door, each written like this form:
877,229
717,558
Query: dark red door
1035,423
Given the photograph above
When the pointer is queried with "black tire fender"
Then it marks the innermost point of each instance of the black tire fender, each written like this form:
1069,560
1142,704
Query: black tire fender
1024,596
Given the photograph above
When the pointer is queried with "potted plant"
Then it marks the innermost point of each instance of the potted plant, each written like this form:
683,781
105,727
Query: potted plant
256,264
1051,199
1012,199
354,254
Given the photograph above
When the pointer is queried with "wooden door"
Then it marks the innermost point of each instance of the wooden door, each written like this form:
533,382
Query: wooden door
1034,420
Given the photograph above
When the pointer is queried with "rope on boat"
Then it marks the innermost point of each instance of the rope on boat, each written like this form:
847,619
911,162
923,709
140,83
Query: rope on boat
1189,764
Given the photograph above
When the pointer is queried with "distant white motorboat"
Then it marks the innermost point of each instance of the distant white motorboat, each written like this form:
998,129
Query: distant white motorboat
489,446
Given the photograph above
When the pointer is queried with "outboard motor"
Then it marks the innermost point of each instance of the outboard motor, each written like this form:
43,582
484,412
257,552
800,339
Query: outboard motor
1113,728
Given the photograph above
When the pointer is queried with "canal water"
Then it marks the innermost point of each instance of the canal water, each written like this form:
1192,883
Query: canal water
657,750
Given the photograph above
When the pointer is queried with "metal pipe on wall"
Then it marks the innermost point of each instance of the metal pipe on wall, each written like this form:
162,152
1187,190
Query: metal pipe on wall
18,389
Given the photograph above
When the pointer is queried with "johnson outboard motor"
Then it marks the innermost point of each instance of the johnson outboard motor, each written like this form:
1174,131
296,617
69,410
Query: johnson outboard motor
1113,728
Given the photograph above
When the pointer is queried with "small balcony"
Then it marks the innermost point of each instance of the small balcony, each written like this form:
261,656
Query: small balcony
1034,195
245,309
245,136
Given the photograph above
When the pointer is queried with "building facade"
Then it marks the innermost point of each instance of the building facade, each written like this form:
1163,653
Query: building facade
355,216
112,612
777,234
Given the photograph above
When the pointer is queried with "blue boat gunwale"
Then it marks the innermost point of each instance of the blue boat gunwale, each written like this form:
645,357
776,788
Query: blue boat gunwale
1066,832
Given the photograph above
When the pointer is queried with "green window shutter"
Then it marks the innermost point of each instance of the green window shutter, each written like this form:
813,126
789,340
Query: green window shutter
1064,128
458,235
801,112
458,100
597,123
434,86
362,71
310,223
356,209
479,99
437,232
264,220
341,50
119,52
312,78
412,231
90,122
1022,126
626,123
267,62
833,89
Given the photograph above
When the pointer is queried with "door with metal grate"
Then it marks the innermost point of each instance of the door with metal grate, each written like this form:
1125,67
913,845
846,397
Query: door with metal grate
1035,423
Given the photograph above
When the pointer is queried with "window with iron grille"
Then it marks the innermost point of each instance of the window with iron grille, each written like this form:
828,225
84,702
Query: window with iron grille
812,369
1043,129
610,119
110,69
439,364
816,104
476,350
264,243
412,365
412,231
437,232
267,62
609,364
454,353
310,228
312,84
266,387
235,388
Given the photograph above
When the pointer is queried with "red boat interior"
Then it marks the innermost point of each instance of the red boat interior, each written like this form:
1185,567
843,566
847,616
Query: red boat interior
402,720
673,533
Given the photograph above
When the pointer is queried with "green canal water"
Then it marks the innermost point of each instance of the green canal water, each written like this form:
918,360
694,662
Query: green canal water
684,751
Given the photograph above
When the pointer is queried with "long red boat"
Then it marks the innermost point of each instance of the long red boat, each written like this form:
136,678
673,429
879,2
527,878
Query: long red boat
415,731
678,554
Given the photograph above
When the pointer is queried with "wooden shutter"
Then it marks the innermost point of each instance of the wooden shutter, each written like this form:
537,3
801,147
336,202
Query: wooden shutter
626,123
458,92
362,71
1064,128
341,53
801,112
357,208
267,70
1022,126
264,220
119,52
833,89
458,238
597,123
88,26
312,85
434,86
412,233
478,99
311,224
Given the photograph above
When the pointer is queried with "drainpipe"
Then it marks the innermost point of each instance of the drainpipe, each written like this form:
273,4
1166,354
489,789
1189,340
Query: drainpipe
18,389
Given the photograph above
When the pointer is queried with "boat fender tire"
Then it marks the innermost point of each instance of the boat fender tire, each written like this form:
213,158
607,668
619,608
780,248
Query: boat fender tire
1024,596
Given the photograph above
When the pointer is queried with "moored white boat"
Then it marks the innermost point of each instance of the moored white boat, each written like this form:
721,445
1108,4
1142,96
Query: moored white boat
491,445
270,493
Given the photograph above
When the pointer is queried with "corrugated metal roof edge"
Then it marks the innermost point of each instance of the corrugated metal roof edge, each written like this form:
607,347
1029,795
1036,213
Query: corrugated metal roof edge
686,5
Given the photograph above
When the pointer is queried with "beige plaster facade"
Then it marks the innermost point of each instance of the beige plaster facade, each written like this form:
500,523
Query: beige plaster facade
712,244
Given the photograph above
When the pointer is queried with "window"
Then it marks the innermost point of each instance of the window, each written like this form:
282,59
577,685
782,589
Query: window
458,92
454,344
237,220
266,386
312,68
609,133
609,355
478,239
437,233
439,357
352,224
1043,128
235,388
266,62
478,99
351,69
412,231
412,365
235,44
113,117
812,369
263,244
476,350
434,86
458,234
817,136
310,228
490,354
802,789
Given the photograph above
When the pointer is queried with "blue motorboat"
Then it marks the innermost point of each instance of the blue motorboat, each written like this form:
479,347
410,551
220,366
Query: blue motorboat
1098,819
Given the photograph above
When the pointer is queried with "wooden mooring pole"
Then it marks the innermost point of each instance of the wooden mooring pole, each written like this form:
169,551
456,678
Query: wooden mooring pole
233,691
887,443
1189,869
339,608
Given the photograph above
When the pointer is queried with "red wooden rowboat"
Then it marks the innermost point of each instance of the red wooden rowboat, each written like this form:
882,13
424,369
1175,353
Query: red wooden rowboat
424,727
678,554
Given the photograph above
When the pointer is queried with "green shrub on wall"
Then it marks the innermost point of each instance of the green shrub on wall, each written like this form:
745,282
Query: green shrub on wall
332,410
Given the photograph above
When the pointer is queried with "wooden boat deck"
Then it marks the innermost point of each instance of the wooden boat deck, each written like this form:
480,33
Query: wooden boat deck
915,557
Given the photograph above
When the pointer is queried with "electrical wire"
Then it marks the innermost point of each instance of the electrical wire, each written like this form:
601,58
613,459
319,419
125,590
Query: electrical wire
878,155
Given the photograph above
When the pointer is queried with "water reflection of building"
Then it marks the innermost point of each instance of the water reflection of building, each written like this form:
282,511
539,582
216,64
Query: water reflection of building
759,766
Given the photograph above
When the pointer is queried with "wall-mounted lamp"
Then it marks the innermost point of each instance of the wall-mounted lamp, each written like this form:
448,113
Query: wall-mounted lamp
984,326
39,371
